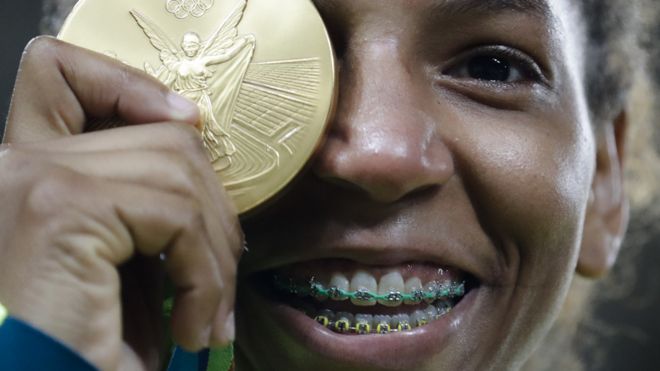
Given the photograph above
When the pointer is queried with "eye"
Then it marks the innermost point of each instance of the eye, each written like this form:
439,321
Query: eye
491,68
496,64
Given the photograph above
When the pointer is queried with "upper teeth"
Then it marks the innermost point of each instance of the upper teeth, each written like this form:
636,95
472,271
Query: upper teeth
414,285
341,283
391,285
365,284
364,290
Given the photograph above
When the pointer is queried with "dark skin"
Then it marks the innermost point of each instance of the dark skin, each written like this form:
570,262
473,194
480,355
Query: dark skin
426,161
86,204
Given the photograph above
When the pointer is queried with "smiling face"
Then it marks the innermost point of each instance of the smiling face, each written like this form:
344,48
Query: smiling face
447,206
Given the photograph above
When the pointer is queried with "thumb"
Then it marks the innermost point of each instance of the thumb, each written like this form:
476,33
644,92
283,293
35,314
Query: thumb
61,87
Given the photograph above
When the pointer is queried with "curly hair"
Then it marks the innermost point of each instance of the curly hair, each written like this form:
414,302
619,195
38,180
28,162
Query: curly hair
612,28
621,35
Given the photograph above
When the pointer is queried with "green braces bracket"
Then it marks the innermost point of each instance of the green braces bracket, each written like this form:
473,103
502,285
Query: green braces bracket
319,291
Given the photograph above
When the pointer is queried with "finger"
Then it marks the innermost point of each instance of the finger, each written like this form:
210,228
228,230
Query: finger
124,219
178,139
155,136
170,172
179,165
224,326
153,169
187,155
91,226
177,228
60,86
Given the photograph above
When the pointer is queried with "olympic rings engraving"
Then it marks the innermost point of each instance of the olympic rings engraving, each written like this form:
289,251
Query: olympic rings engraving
184,8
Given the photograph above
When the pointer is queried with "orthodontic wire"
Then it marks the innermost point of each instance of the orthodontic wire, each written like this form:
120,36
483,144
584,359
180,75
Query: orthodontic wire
316,289
344,325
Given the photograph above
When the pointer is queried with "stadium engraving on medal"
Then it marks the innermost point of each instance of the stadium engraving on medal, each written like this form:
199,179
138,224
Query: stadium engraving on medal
261,116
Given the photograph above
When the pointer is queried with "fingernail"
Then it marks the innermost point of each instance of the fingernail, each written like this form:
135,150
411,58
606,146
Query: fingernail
181,108
230,327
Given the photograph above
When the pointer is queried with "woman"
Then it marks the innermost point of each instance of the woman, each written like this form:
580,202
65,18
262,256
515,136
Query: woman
478,147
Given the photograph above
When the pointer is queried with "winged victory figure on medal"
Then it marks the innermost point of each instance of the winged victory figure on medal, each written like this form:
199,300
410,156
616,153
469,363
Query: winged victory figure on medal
252,113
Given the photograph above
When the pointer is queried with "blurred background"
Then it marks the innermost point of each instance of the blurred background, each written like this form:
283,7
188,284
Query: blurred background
624,331
16,28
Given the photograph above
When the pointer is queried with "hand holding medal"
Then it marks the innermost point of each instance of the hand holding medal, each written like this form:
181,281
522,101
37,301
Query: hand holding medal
261,72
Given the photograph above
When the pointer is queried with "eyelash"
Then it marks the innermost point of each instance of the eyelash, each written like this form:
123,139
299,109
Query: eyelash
528,70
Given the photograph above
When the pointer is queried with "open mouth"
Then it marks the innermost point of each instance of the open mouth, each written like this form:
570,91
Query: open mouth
350,298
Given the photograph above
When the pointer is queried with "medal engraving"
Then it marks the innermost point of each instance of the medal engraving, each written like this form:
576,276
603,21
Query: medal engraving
274,109
211,72
184,8
199,68
265,90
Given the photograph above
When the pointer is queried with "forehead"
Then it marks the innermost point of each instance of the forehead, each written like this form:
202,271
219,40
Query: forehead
539,8
547,21
542,9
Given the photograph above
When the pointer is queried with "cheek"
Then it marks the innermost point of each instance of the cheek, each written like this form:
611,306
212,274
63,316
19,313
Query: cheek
529,181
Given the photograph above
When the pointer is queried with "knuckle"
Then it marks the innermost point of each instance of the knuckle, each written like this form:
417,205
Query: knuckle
183,176
15,161
186,139
67,206
126,75
209,287
39,49
214,287
52,191
41,44
23,169
194,219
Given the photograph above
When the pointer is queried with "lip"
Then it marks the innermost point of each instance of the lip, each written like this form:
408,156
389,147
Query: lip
381,256
406,349
391,244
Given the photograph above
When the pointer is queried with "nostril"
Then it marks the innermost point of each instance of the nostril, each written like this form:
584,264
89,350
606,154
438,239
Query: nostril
388,178
395,193
384,175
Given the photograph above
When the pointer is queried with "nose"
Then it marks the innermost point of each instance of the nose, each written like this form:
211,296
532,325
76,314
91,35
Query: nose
383,141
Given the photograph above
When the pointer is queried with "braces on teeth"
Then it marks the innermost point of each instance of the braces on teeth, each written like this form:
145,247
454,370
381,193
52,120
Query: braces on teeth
363,324
318,291
440,297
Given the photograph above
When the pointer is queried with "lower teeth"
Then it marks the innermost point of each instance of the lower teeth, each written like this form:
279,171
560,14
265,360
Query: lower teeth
363,324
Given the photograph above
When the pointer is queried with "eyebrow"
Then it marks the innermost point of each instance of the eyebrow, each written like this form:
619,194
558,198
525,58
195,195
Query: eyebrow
536,8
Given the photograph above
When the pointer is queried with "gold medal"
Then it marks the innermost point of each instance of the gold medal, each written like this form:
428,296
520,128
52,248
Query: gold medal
261,71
